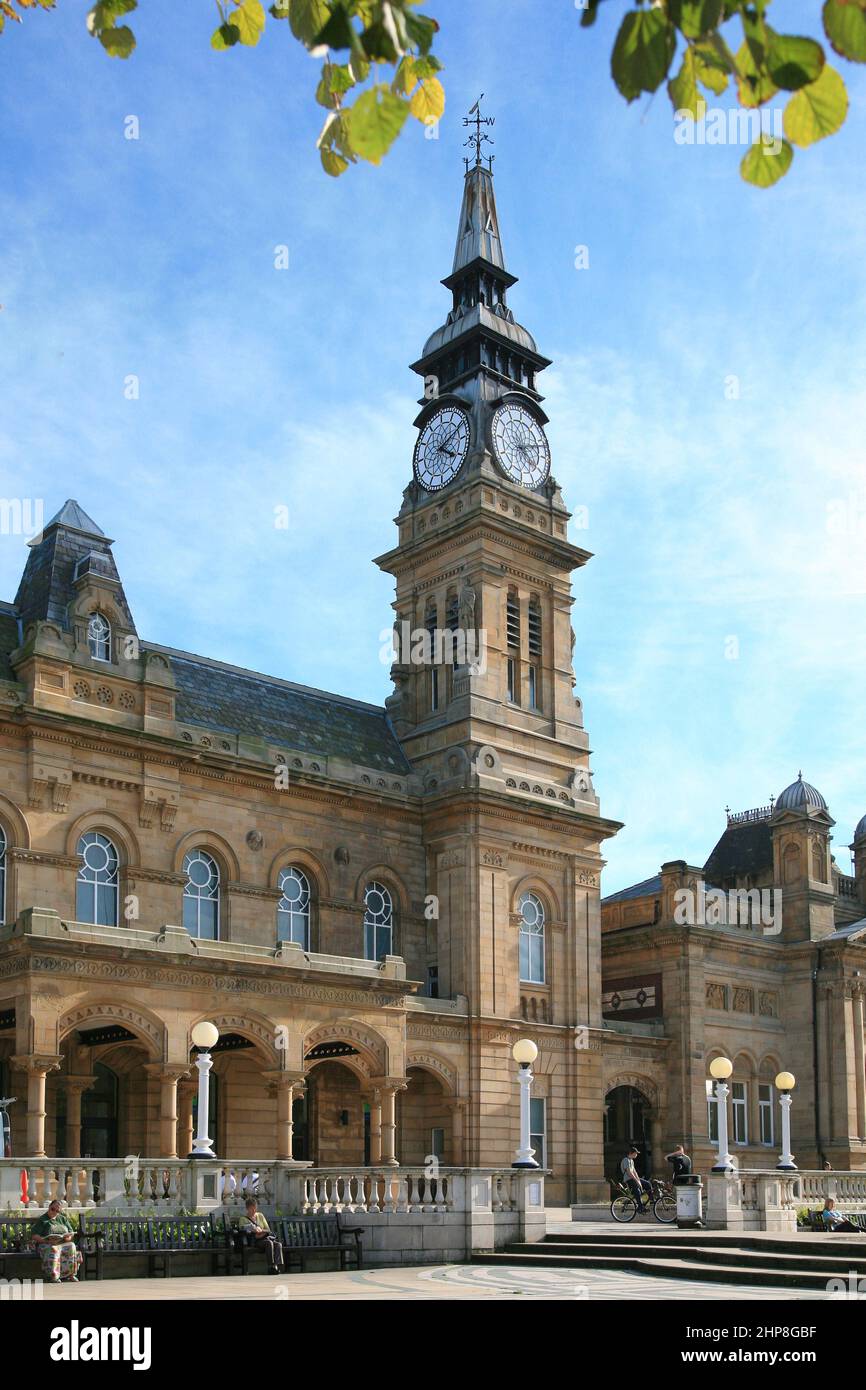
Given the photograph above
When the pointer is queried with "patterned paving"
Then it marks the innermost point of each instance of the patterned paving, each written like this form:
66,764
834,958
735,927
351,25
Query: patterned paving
441,1282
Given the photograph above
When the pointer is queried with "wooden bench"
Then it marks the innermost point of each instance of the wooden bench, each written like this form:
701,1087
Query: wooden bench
16,1234
817,1223
159,1240
302,1236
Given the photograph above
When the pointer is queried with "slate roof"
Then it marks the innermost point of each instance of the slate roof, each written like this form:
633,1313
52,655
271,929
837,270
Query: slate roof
637,890
46,587
743,849
228,698
9,640
844,933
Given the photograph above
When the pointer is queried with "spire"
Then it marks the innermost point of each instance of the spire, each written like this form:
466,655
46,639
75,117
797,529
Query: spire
70,548
478,231
480,351
75,518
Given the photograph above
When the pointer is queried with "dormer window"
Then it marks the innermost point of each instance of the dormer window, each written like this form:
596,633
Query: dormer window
99,637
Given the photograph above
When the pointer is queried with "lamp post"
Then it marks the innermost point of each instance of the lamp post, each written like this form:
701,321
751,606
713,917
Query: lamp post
720,1070
524,1053
204,1036
785,1083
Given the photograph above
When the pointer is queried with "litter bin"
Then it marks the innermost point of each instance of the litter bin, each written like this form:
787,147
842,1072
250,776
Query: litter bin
689,1191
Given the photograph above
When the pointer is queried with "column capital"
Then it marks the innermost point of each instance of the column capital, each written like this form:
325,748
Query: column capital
283,1080
389,1083
37,1062
167,1071
76,1085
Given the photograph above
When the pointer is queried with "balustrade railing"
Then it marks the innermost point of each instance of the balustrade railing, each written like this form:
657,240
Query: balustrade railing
147,1186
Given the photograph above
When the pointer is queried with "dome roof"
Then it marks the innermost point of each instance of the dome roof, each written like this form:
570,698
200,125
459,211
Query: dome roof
800,796
861,828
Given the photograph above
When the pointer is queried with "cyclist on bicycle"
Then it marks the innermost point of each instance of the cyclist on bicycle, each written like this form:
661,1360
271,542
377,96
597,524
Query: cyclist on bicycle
634,1182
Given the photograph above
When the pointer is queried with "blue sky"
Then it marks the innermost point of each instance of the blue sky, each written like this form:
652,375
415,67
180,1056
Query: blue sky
710,518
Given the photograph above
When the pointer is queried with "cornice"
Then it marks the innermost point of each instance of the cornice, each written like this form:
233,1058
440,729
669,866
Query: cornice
148,974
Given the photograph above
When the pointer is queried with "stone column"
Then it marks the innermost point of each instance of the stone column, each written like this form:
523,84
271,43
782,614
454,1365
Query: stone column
457,1107
37,1068
168,1076
387,1088
375,1127
655,1147
75,1088
860,1063
285,1085
187,1092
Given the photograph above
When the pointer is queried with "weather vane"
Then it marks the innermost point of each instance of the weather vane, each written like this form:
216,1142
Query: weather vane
478,136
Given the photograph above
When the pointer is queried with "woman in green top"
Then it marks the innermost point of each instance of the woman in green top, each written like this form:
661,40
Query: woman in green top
54,1237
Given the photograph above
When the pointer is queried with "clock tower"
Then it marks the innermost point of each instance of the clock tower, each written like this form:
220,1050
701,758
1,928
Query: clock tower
483,637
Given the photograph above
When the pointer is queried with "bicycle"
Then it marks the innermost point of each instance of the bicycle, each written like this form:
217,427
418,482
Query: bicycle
663,1203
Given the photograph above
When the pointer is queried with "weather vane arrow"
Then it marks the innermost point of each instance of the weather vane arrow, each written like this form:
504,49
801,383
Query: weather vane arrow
478,136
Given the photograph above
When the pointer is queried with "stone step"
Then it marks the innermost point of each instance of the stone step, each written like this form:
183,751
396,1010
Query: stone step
733,1258
671,1268
632,1237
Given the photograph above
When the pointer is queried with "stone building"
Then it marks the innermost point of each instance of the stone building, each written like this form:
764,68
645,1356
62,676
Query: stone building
759,955
372,904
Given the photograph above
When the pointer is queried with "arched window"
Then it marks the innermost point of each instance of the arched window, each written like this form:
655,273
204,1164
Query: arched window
99,637
293,909
201,895
2,874
378,922
532,939
96,888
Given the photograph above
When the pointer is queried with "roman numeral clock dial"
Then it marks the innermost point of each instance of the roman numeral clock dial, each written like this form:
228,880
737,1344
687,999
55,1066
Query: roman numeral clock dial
441,448
520,445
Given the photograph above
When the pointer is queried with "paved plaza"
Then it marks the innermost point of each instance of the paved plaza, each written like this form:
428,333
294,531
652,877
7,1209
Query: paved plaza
429,1282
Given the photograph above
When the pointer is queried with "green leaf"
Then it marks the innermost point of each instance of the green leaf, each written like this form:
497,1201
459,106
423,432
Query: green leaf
710,71
816,110
333,163
683,89
249,20
118,41
422,30
338,32
226,36
762,167
281,9
308,18
643,52
405,78
753,87
374,123
428,103
590,14
845,27
694,18
793,62
378,44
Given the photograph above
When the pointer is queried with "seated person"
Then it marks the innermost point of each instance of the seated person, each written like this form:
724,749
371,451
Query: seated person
633,1181
254,1229
834,1220
54,1237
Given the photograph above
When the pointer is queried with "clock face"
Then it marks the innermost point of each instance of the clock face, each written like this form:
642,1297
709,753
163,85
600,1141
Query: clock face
520,445
441,448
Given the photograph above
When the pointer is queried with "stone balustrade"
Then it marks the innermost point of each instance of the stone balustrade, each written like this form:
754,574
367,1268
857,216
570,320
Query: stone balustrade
409,1215
768,1200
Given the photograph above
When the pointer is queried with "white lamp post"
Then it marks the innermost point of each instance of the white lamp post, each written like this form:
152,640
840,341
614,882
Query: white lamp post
785,1083
204,1035
524,1053
720,1070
